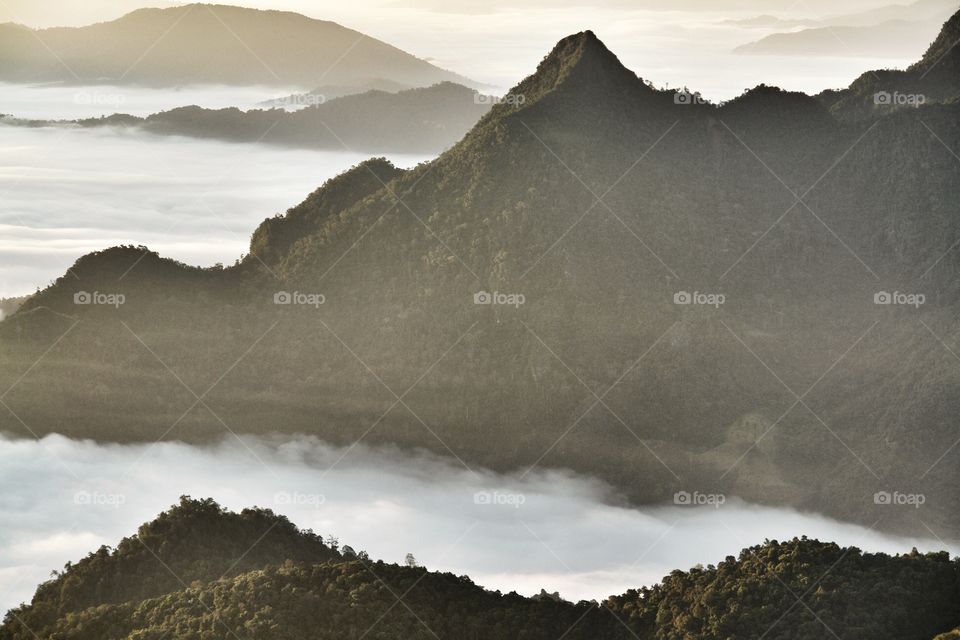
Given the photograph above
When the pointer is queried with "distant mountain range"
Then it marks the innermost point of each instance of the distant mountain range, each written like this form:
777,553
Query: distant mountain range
757,298
198,571
894,38
329,92
422,120
889,31
209,44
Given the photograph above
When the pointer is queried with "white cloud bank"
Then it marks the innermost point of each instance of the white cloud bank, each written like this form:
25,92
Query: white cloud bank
551,530
67,192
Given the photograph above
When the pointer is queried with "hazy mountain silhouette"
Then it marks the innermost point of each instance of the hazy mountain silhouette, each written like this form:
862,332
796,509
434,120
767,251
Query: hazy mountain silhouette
547,292
891,38
328,92
891,30
422,120
200,571
206,43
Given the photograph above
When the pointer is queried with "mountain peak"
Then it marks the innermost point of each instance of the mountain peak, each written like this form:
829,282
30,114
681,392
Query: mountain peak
582,53
194,541
579,62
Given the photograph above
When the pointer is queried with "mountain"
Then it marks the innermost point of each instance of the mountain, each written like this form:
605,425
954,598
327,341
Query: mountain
935,78
755,299
199,571
327,92
208,44
422,120
893,38
891,30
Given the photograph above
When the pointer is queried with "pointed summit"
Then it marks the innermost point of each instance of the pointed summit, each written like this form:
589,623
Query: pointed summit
579,62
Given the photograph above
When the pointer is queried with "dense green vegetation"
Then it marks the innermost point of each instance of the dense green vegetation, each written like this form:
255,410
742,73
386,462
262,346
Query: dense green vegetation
801,589
696,198
198,572
209,44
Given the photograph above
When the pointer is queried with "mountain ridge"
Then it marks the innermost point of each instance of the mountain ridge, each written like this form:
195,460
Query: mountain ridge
202,43
797,218
187,583
420,120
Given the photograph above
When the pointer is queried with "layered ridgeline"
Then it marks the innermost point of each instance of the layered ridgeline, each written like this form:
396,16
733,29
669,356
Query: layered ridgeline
422,120
891,30
935,78
209,43
600,276
331,91
199,571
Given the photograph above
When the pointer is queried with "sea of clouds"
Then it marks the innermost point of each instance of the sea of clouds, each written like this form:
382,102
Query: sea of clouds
63,498
70,102
65,192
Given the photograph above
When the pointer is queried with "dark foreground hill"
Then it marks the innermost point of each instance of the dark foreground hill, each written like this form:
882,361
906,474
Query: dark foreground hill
756,299
199,572
422,120
209,44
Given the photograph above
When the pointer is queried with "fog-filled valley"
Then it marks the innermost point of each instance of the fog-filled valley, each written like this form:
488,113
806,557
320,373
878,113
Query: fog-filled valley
549,530
72,101
195,200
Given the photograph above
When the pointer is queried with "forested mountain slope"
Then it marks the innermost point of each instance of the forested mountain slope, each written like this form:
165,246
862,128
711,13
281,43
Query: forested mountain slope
758,299
201,572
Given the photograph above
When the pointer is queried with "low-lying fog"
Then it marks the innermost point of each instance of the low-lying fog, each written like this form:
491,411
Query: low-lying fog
71,102
551,530
65,192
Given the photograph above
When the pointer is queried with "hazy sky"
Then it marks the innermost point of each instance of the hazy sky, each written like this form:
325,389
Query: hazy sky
499,41
551,530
